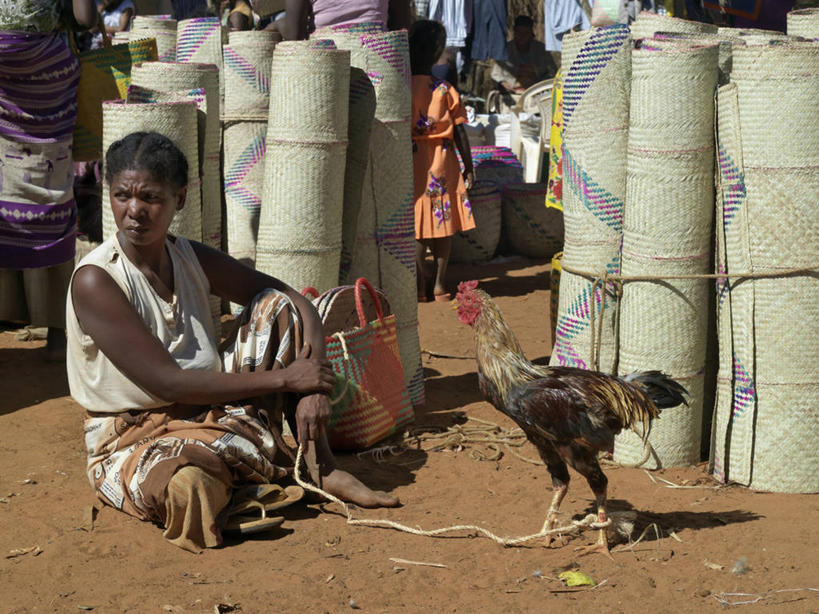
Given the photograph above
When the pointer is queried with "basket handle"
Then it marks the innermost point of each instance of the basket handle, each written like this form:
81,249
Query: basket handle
310,291
359,306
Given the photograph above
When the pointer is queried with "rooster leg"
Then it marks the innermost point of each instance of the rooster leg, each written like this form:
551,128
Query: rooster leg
560,484
586,464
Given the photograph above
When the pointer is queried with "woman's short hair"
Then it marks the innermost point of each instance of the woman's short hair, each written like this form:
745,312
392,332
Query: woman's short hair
427,41
149,151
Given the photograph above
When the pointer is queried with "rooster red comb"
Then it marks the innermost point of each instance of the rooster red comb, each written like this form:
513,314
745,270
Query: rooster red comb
466,286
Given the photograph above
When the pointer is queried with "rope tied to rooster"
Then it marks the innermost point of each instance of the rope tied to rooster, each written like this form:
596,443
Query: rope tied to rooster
589,522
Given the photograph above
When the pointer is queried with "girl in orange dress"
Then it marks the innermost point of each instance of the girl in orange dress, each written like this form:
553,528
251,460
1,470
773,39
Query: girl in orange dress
441,203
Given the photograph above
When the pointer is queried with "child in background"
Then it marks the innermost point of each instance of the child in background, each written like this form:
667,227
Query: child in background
441,204
116,16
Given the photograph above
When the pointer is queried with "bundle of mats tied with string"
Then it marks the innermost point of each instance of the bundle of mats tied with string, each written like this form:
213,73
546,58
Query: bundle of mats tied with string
480,243
529,227
596,88
767,419
667,232
299,239
248,60
370,400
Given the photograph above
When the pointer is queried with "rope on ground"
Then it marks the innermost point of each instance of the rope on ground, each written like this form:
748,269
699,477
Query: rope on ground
589,522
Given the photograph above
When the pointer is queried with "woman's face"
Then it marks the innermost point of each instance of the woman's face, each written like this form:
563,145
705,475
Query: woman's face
143,207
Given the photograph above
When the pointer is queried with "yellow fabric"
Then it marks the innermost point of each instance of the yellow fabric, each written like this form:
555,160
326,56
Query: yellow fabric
194,500
554,195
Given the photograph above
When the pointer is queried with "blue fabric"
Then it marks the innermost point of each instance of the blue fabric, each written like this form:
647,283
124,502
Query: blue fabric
489,30
560,16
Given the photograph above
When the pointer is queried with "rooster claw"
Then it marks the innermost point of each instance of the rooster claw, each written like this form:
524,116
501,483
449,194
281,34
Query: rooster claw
601,548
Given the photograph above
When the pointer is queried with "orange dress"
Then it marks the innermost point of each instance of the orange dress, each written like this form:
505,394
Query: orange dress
441,203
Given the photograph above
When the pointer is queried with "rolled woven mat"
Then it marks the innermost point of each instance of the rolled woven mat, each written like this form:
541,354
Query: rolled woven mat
767,421
531,228
162,28
178,76
252,36
267,7
199,40
299,237
480,243
667,230
648,23
389,68
247,61
175,120
804,23
596,88
726,44
361,114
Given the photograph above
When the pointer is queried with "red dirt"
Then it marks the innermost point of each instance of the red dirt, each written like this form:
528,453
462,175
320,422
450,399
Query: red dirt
318,564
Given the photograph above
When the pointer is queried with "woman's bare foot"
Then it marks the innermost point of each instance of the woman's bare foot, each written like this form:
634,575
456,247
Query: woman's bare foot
327,476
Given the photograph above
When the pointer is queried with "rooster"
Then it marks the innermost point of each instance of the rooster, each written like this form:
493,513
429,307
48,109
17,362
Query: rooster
569,414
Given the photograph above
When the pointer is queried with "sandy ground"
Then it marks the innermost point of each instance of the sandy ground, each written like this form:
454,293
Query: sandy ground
316,563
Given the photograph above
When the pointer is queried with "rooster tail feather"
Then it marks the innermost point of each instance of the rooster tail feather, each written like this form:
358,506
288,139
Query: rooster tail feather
663,391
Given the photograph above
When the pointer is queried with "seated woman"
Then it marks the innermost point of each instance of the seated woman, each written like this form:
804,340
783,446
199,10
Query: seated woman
174,423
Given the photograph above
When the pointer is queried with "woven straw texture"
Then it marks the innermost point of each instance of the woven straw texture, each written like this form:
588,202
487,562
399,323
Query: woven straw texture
666,40
248,60
804,23
299,237
648,23
361,113
247,65
667,231
163,30
596,90
480,243
767,422
175,120
199,41
498,164
530,228
177,76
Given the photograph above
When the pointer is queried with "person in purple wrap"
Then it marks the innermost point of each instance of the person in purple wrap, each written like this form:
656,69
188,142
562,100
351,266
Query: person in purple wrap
38,107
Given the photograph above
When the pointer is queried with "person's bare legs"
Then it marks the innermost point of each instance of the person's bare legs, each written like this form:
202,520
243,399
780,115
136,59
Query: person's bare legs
55,344
322,467
440,251
423,274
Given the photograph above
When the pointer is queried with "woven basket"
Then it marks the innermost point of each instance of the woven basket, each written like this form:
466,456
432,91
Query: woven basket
767,422
480,243
199,41
530,228
667,231
247,79
175,120
804,23
338,312
175,77
247,37
299,237
595,133
648,23
355,29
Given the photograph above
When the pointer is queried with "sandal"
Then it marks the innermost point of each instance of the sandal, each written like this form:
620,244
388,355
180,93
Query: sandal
248,525
264,497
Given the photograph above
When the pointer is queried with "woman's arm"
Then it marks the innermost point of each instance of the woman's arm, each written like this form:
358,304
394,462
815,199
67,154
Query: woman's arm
462,143
85,13
234,281
295,19
109,319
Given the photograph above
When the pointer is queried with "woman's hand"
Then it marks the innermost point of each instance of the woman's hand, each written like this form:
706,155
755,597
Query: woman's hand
307,375
312,414
469,179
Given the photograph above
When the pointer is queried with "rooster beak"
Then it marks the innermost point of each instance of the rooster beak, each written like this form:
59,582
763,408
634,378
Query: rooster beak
455,305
